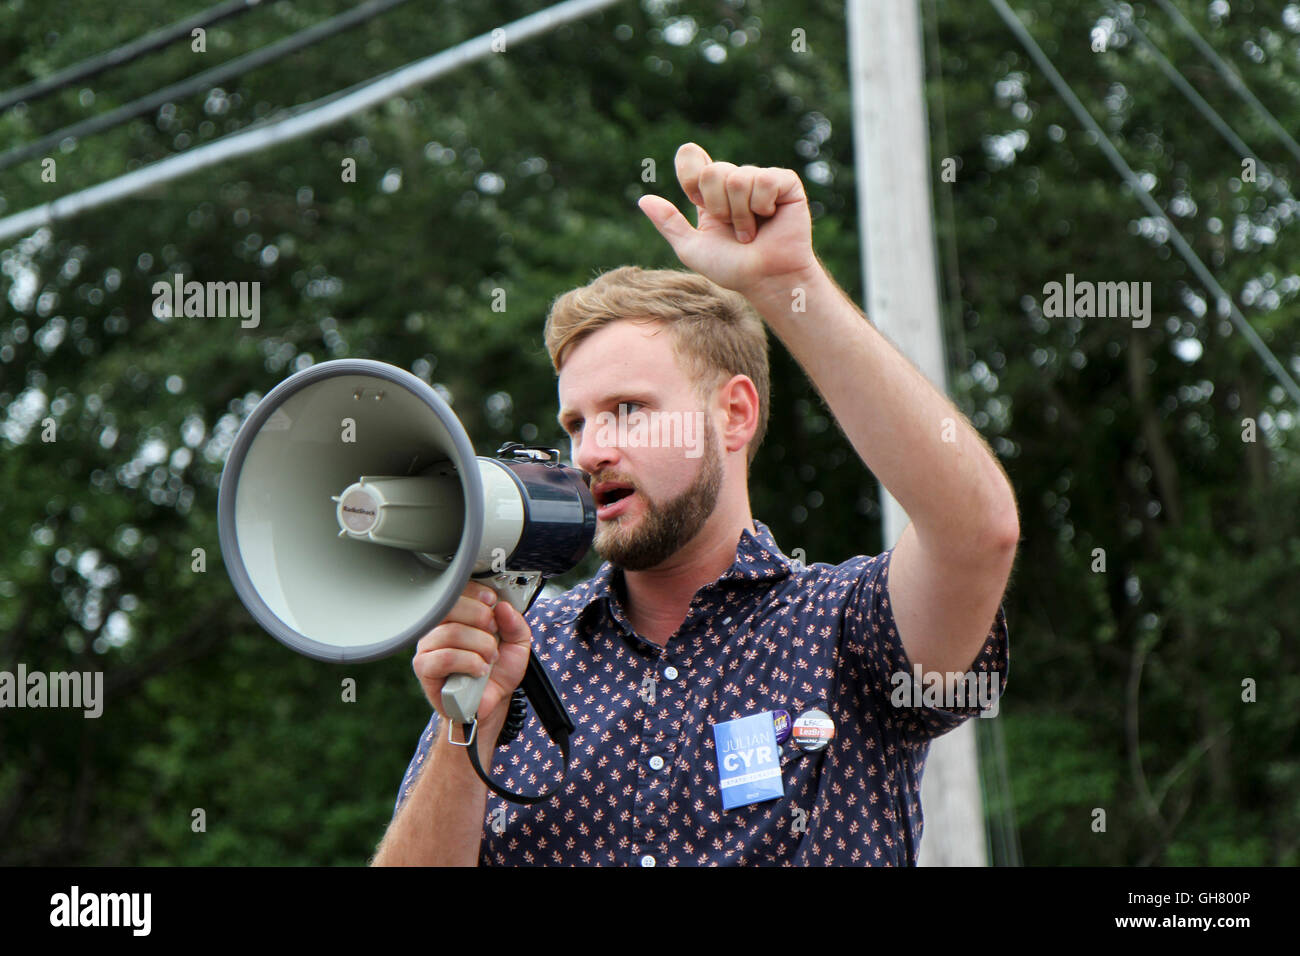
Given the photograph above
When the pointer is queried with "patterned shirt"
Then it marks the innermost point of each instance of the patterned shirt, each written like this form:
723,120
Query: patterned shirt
769,634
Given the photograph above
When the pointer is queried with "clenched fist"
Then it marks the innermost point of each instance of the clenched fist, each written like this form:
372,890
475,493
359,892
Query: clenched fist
480,635
754,227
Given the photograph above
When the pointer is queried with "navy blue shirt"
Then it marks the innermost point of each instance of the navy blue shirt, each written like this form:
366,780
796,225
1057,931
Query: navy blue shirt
769,634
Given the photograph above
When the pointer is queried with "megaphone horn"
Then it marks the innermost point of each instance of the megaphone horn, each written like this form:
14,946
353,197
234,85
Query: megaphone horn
353,511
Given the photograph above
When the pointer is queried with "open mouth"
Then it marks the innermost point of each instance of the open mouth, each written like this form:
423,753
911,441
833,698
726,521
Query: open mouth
608,495
612,495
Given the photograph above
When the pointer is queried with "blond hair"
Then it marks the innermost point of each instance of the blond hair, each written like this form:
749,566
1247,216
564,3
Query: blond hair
716,333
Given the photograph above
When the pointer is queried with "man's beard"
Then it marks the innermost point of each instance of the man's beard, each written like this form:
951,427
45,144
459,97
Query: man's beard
664,528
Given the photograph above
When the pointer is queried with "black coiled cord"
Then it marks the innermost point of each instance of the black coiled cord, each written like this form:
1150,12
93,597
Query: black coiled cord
515,718
537,687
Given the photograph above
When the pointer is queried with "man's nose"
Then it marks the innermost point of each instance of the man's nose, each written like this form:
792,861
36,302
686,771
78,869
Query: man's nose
594,452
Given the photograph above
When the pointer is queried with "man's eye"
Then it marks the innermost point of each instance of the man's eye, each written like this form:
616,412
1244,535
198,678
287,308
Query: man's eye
575,427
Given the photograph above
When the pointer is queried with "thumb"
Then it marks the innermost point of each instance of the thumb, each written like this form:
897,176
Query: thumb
512,626
672,225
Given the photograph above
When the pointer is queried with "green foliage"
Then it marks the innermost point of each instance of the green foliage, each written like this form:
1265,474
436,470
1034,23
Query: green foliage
1057,782
1127,688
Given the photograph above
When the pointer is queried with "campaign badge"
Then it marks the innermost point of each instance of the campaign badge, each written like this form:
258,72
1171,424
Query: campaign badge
749,760
813,730
781,720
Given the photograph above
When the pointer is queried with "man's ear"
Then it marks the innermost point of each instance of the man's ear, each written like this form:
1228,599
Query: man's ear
738,402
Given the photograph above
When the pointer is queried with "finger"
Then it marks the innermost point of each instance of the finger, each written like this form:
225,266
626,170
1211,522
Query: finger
740,186
445,661
767,187
433,691
713,187
450,634
434,668
472,611
789,187
672,225
690,162
482,593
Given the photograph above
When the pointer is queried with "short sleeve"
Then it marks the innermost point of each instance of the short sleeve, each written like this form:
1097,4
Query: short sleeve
892,679
422,750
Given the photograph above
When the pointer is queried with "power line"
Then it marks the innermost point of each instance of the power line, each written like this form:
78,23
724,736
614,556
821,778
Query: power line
999,799
1204,108
1180,244
955,330
315,116
203,81
126,53
1234,79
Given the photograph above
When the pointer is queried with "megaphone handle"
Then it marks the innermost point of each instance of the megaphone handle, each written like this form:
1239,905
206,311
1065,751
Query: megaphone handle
520,590
461,693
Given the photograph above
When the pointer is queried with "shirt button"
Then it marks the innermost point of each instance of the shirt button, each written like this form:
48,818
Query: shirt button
670,672
656,762
647,860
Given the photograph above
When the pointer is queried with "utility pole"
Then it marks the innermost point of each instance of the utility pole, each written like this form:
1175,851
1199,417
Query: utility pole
892,148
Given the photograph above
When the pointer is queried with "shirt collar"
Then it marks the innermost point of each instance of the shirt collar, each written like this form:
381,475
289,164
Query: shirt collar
758,560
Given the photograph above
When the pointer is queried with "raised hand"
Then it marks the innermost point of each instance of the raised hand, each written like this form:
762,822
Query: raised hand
753,227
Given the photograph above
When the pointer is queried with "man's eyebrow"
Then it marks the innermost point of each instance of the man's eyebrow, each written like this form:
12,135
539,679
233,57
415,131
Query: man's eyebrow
626,395
566,418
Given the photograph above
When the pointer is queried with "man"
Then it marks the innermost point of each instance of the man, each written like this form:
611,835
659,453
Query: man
697,621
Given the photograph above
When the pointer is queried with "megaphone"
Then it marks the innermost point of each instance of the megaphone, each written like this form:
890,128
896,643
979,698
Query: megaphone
353,511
